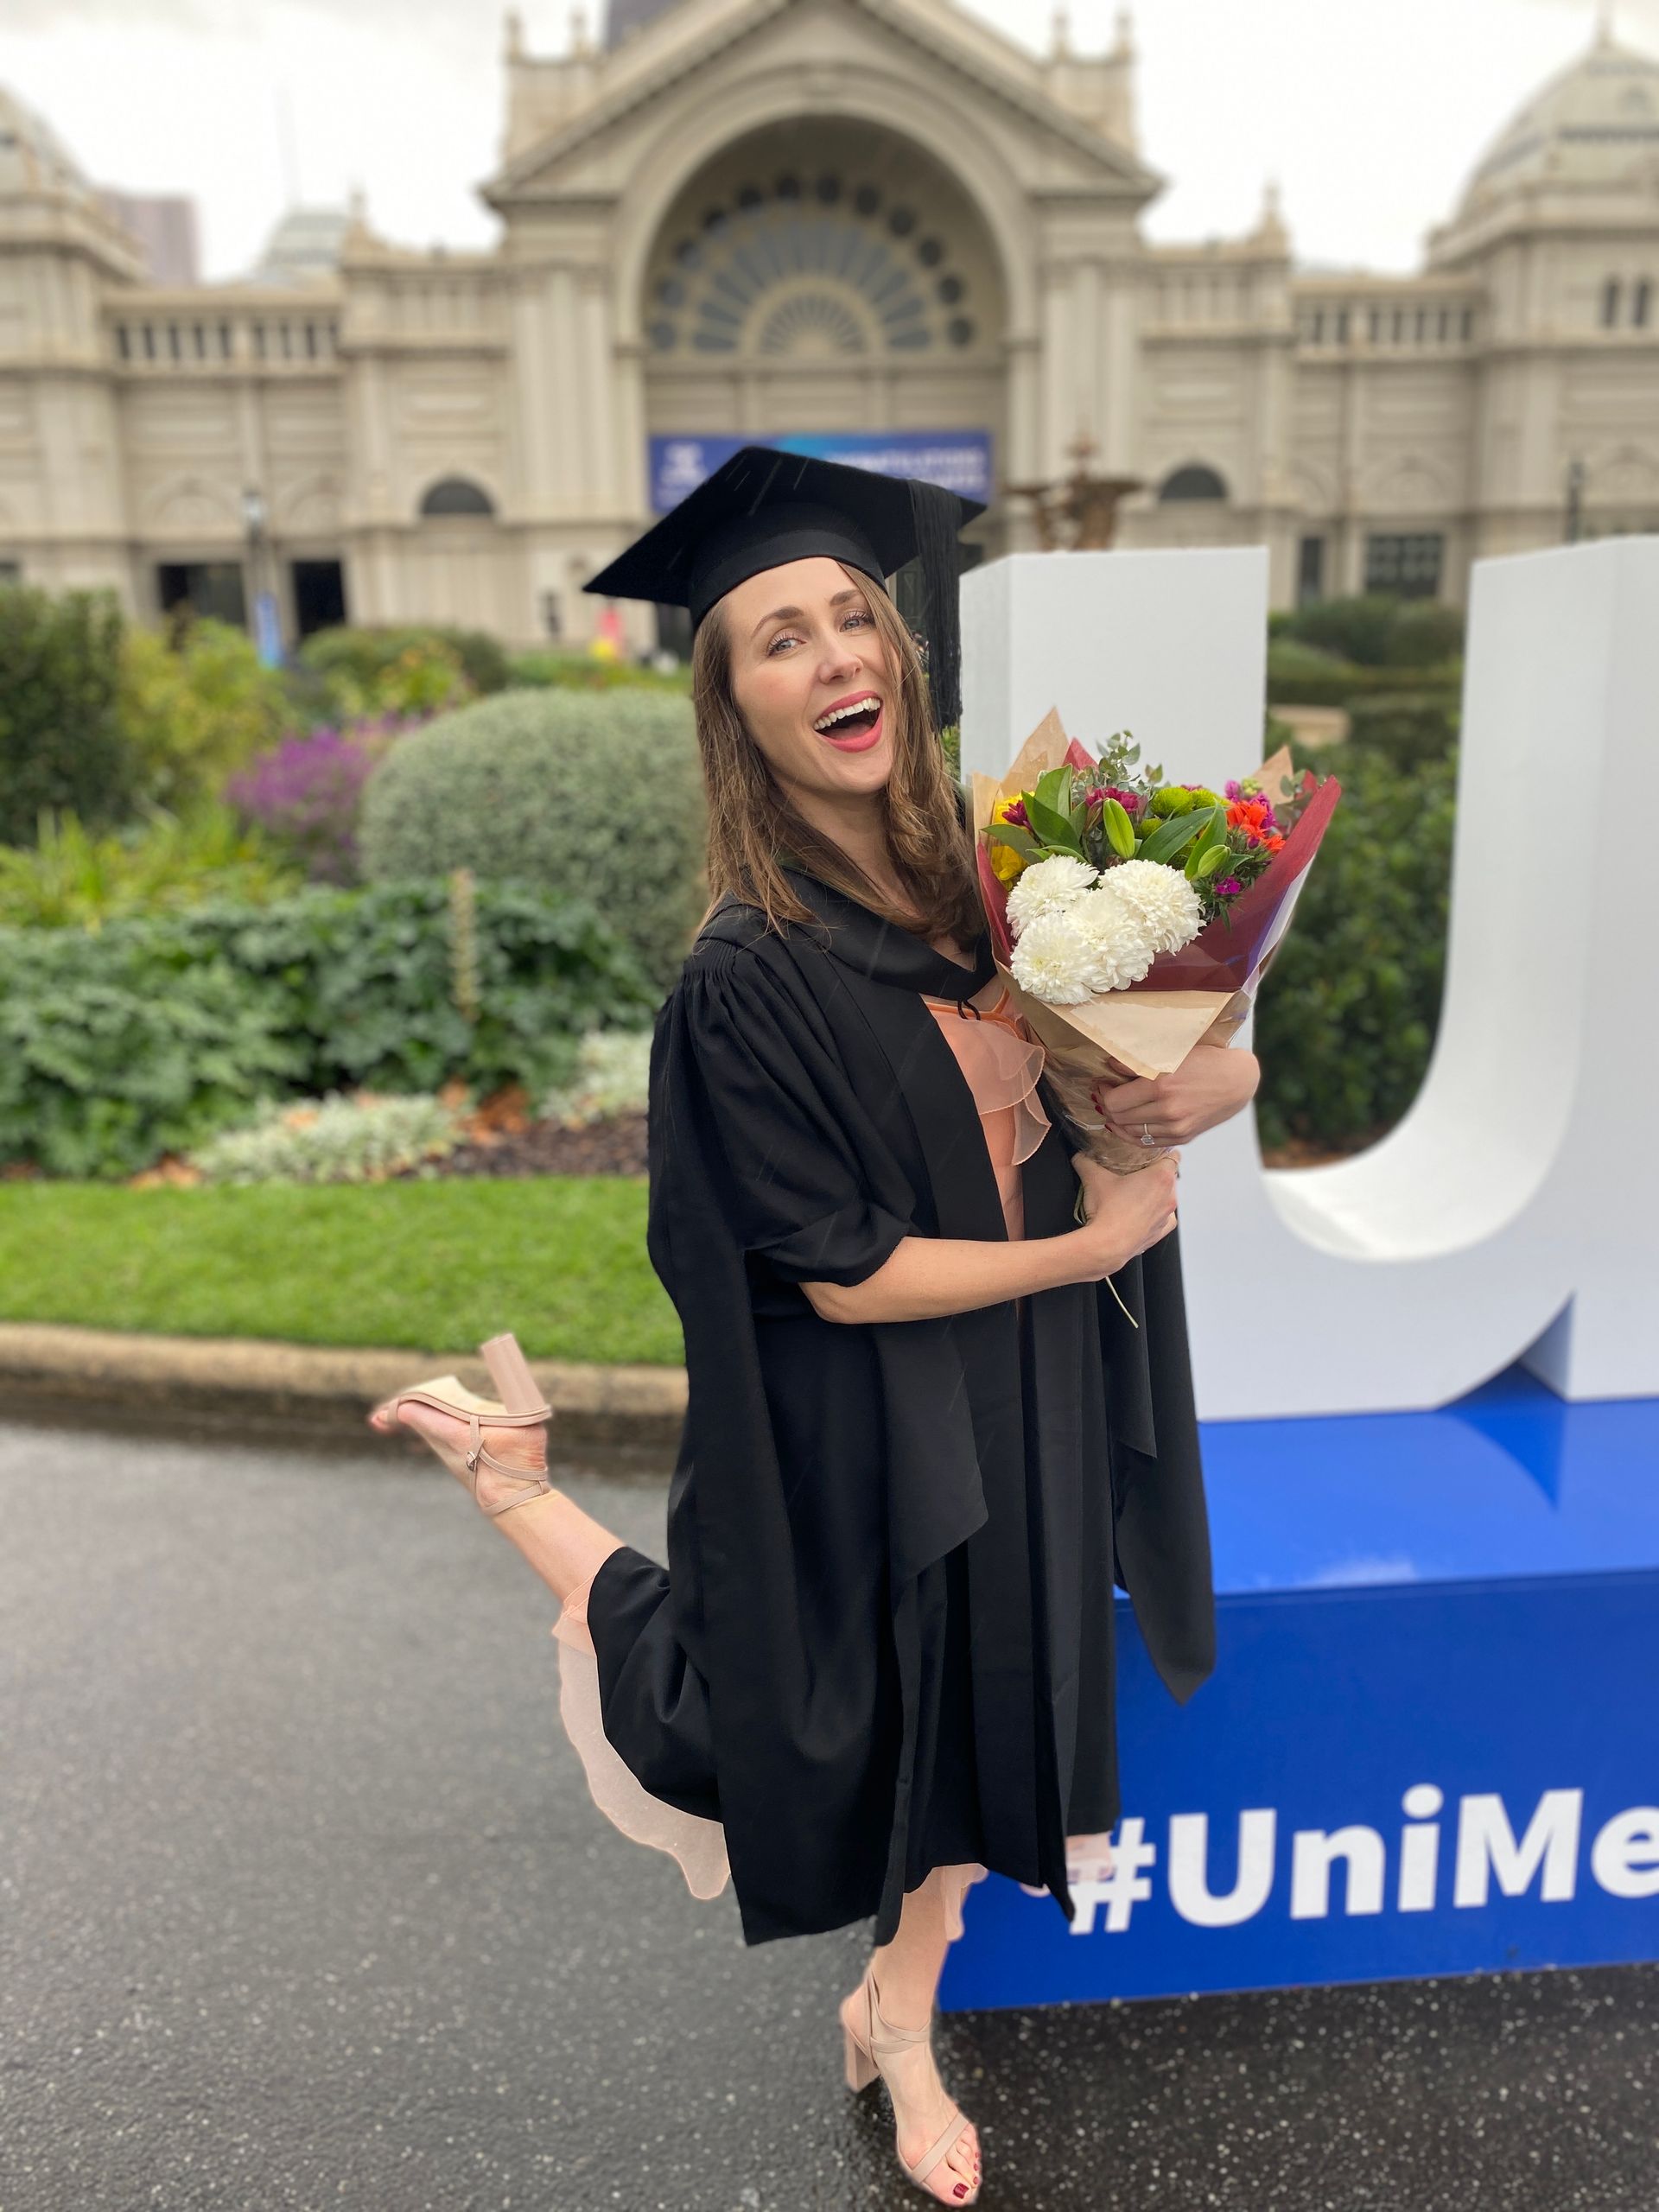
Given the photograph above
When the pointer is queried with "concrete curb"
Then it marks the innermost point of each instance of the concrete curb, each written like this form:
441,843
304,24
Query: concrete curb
316,1386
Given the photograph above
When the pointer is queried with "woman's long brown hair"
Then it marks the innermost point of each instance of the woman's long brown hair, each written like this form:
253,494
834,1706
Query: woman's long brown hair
752,826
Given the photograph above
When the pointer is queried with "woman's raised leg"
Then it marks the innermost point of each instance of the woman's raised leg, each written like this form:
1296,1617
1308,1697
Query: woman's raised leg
563,1543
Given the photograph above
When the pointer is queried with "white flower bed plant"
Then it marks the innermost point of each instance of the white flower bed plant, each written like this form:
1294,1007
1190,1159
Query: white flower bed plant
612,1078
359,1138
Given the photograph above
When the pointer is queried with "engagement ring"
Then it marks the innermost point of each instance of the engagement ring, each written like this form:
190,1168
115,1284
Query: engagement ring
1146,1134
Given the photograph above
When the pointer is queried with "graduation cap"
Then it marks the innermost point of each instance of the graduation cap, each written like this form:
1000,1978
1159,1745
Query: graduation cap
763,507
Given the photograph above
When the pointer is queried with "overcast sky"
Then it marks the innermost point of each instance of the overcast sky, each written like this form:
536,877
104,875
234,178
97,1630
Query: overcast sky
1370,113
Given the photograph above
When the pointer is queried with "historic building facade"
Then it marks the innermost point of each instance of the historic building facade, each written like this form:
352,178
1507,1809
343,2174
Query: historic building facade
876,226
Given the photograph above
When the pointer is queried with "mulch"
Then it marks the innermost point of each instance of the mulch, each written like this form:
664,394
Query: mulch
616,1147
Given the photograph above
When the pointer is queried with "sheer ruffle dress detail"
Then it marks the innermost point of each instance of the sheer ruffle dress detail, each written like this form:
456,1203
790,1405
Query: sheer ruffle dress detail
1001,1062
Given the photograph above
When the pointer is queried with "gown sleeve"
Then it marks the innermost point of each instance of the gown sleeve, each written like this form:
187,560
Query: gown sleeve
787,1141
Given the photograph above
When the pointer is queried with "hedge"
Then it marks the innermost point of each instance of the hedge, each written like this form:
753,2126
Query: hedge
364,652
151,1034
62,744
1347,1011
598,794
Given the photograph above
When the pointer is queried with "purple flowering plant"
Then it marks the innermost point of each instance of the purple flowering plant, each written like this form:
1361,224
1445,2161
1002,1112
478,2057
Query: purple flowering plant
306,791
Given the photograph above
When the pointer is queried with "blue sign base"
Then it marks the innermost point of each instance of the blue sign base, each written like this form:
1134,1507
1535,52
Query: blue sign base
1430,1744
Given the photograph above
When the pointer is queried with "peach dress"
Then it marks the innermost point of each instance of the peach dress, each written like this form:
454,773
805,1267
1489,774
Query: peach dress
1002,1063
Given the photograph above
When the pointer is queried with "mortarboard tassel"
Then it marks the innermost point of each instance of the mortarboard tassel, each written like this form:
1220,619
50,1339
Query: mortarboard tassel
937,517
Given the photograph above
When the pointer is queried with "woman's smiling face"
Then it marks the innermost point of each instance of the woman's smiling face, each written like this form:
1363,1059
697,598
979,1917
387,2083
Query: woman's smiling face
803,643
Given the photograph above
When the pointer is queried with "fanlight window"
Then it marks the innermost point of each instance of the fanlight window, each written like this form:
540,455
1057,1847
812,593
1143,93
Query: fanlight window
456,495
1195,482
825,269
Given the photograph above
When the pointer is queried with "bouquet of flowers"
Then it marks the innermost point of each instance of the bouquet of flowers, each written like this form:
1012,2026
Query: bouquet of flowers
1133,919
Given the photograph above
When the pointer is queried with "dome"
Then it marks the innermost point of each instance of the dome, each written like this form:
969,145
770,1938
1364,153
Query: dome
32,157
1595,127
304,248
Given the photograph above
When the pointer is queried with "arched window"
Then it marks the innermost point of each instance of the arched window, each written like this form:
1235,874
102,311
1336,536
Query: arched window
456,495
1194,482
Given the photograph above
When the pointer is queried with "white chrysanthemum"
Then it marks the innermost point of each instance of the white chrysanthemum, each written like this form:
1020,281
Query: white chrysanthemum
1051,960
1165,904
1046,884
1117,944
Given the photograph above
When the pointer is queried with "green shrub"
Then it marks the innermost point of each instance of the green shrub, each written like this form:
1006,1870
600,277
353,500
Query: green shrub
1406,729
73,879
1377,630
1300,675
1305,676
1356,629
597,796
543,669
195,713
403,669
1425,633
61,737
154,1034
1347,1011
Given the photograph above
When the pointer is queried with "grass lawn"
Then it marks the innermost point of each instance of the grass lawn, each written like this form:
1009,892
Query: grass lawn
434,1266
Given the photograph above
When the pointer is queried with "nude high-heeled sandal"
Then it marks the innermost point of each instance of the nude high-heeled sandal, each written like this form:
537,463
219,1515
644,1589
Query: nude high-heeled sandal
520,1406
866,2046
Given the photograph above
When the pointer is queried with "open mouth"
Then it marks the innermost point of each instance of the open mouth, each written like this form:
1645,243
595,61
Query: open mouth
854,728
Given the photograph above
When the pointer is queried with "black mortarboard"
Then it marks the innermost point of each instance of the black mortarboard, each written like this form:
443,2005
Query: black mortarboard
763,507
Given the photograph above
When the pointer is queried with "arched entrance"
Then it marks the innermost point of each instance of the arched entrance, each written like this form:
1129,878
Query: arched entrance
819,277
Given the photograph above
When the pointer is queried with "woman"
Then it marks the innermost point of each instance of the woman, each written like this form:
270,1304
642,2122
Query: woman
923,1439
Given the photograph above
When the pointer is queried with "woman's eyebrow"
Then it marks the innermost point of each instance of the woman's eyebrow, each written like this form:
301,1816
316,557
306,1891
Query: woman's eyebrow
790,614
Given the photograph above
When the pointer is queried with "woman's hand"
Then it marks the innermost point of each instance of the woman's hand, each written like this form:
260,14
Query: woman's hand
1126,1213
1212,1084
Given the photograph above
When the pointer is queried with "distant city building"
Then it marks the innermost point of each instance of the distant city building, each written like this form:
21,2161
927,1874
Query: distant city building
890,233
164,225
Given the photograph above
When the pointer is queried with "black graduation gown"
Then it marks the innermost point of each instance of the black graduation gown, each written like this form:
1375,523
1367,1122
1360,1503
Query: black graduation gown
884,1637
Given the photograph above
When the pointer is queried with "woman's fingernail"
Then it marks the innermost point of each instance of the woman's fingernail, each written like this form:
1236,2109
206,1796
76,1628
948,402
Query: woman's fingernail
961,2189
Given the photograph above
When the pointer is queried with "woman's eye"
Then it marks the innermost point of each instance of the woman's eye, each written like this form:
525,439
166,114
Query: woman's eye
856,615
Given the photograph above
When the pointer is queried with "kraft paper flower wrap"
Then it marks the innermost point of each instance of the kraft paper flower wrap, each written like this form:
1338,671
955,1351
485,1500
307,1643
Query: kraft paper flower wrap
1198,994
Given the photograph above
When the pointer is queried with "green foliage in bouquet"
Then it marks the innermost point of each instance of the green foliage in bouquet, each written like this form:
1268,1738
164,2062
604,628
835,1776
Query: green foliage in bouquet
154,1034
61,738
598,795
1119,811
1347,1011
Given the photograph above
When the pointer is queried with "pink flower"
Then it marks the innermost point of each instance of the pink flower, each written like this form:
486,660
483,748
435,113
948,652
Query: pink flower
1016,814
1229,888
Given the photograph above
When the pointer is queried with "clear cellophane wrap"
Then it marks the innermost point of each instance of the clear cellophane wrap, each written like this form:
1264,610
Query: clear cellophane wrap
1199,995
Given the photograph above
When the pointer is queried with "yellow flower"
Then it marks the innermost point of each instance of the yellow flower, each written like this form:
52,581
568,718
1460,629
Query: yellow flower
1006,863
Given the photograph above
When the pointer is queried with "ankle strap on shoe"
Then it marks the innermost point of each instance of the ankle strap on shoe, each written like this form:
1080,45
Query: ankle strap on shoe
899,2036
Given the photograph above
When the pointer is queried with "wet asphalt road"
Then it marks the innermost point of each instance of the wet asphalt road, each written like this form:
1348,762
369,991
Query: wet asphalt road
303,1904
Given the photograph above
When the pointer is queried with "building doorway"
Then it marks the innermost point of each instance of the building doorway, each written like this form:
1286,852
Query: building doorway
214,587
319,593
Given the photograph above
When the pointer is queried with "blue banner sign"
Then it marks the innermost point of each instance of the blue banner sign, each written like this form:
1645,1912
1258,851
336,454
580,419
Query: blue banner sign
959,460
1430,1744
